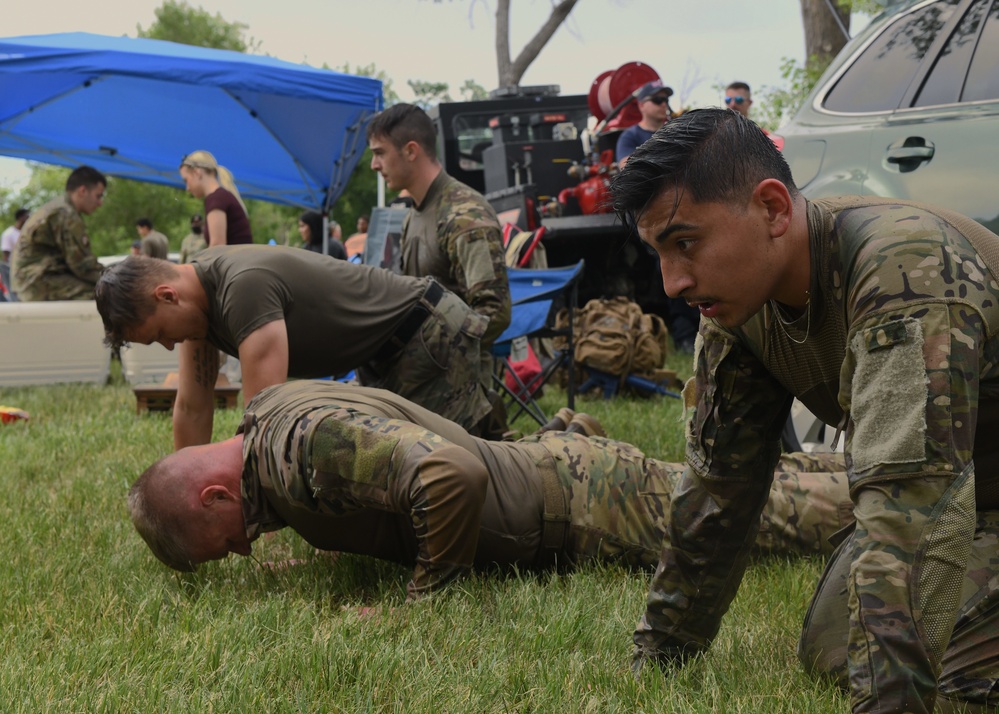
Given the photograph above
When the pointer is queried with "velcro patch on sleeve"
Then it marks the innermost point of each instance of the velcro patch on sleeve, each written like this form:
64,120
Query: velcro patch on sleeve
890,388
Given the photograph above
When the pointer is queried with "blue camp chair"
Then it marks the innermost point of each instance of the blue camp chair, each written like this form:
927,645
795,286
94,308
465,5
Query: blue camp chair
535,295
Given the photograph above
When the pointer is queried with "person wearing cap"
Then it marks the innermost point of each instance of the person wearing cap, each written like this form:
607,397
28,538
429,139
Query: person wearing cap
195,241
653,103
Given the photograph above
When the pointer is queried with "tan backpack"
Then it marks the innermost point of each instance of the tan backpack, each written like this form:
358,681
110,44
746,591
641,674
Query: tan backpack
616,337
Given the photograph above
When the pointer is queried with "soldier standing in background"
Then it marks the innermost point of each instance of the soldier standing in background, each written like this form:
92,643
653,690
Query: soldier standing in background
53,260
195,241
452,233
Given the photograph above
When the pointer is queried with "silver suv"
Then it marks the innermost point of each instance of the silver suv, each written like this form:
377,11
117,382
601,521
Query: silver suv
908,109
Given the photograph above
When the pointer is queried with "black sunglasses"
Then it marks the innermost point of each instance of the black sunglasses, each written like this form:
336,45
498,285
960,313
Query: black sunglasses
737,100
658,99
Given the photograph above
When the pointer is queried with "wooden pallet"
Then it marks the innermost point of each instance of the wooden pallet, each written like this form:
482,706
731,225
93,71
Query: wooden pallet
160,397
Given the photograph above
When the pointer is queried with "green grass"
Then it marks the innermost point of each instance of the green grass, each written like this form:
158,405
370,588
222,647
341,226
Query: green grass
91,622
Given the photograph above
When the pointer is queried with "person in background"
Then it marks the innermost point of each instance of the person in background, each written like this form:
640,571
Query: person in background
739,98
451,233
135,248
653,103
9,238
355,243
194,242
310,227
153,243
52,258
226,221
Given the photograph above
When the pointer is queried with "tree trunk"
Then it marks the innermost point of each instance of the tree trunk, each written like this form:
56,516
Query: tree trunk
827,28
511,72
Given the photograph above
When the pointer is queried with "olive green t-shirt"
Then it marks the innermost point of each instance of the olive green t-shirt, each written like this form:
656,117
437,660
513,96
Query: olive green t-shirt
337,313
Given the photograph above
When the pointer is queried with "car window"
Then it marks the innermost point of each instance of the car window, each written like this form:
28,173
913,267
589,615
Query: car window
944,83
879,78
983,78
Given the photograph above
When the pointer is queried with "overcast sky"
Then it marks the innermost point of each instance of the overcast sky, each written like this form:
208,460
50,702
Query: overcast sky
694,46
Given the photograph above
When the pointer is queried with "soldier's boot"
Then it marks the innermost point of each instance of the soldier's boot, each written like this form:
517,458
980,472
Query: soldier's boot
585,424
559,422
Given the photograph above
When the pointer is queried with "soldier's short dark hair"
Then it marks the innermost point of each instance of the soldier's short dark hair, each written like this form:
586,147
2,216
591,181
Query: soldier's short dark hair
403,123
20,213
84,176
740,86
144,223
124,294
714,155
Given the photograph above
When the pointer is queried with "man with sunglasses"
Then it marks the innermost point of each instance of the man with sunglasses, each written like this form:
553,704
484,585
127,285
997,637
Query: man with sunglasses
653,103
739,98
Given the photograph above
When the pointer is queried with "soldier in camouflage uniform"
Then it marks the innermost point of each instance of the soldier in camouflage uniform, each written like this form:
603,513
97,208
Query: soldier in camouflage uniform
880,316
194,242
53,260
452,233
365,471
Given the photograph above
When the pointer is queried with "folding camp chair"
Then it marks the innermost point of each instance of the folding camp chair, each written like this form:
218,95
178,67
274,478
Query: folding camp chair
534,295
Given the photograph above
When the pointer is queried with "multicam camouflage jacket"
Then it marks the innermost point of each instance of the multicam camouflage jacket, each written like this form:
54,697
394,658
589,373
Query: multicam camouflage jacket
349,480
898,347
455,236
53,245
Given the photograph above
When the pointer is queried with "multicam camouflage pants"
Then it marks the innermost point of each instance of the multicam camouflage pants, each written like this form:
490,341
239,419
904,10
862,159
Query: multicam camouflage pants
969,680
440,367
619,501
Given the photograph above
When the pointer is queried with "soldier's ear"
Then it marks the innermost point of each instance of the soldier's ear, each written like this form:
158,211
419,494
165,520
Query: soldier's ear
165,293
411,150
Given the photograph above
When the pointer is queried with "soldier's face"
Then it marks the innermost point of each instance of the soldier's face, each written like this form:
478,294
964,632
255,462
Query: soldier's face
719,257
217,529
390,162
169,324
88,199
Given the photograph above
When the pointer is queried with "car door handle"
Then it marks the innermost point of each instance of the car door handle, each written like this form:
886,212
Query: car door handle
910,153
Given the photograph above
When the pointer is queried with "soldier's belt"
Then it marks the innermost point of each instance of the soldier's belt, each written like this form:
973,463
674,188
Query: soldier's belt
411,323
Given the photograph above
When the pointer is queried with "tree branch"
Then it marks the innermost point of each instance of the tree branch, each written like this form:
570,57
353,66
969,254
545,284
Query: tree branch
515,71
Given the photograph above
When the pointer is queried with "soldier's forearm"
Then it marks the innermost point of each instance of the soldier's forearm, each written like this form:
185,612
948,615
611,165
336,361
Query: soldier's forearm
911,546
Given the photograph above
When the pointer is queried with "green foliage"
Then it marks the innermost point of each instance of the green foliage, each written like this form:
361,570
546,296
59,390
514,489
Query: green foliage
179,22
773,106
93,623
389,95
428,93
472,91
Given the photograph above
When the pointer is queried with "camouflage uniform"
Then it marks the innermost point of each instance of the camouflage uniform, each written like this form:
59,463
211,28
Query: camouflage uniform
899,347
365,471
193,244
455,237
52,260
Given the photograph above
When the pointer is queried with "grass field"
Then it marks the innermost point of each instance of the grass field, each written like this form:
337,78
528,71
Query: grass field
91,622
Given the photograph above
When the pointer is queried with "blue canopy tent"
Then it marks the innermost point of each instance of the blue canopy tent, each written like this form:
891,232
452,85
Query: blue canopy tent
133,108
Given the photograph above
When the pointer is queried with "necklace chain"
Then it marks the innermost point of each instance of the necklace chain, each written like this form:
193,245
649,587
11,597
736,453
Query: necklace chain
782,323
